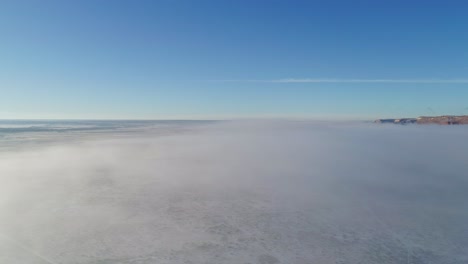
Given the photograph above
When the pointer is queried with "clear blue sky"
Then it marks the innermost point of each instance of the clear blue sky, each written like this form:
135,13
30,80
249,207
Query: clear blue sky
223,59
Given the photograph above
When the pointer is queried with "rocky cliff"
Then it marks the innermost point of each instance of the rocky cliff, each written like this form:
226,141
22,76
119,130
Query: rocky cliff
439,120
443,120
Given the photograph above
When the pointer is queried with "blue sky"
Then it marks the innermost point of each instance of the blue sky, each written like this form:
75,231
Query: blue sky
227,59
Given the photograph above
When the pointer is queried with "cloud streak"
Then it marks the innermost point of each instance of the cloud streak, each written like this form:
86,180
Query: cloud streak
334,80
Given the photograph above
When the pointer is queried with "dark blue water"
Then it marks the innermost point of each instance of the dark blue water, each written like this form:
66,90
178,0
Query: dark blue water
18,132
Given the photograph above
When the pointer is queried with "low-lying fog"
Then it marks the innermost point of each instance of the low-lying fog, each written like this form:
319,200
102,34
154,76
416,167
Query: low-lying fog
238,192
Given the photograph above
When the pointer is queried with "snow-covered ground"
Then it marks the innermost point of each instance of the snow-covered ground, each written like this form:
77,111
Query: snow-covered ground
235,192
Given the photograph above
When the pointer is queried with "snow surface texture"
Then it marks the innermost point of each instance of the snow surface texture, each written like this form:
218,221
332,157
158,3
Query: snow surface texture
239,192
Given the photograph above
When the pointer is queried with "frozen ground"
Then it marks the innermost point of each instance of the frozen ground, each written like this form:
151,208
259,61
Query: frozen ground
233,192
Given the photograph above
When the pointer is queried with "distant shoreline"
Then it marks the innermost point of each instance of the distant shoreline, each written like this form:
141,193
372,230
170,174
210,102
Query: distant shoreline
438,120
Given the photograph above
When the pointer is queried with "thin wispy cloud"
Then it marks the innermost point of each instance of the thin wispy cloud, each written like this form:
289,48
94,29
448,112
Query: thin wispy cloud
311,80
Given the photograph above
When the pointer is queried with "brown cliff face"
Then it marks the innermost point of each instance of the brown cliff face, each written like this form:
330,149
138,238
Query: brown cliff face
438,120
443,120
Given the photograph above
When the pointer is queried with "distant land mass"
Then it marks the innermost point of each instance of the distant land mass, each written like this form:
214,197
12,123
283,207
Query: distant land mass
439,120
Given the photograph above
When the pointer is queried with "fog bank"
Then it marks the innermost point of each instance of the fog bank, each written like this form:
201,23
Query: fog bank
239,192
